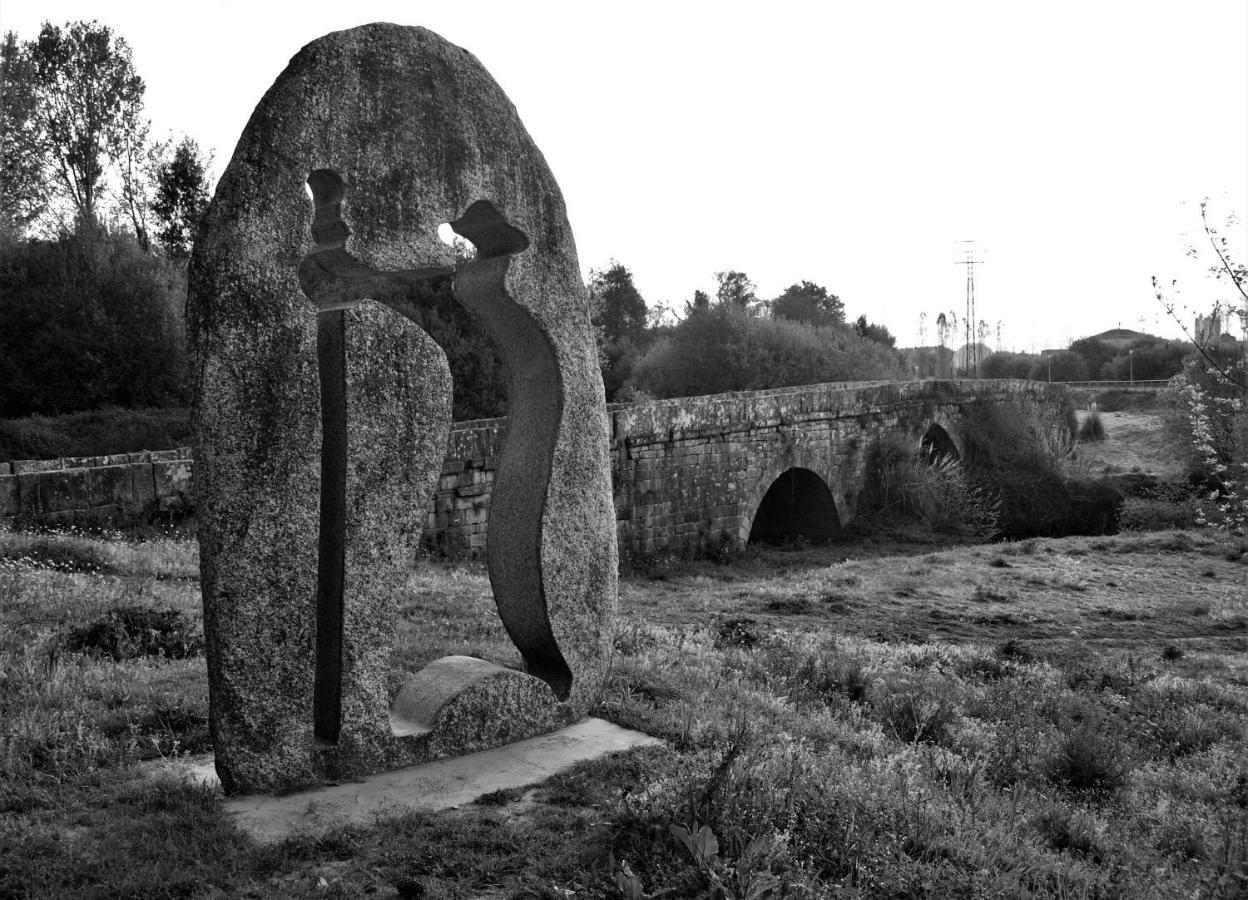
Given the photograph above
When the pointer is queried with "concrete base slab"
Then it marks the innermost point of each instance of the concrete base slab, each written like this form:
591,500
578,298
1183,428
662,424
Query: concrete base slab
442,784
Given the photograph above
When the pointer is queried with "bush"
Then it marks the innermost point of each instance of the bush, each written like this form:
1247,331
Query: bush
53,552
1003,449
724,349
89,320
935,491
1086,760
129,632
95,433
1092,429
1156,514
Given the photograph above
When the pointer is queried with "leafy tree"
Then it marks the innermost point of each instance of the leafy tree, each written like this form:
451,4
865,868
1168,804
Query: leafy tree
1008,365
620,315
23,178
89,320
1147,360
1095,353
736,290
873,332
181,198
618,307
1060,366
86,109
700,303
478,379
808,302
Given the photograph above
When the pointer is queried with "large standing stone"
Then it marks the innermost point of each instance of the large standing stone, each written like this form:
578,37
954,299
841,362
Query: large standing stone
403,132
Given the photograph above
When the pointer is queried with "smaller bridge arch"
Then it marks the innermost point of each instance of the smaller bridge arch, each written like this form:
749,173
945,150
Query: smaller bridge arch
937,443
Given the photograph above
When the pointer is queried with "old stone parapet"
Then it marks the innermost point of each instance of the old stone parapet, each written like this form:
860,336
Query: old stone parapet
120,487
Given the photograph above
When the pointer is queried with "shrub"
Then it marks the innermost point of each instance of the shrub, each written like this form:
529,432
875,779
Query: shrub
1092,429
1071,831
1139,514
1019,458
915,709
741,632
129,632
52,552
934,491
1087,760
94,433
825,676
88,320
723,349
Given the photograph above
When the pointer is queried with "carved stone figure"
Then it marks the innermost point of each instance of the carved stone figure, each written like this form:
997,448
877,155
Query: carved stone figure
321,415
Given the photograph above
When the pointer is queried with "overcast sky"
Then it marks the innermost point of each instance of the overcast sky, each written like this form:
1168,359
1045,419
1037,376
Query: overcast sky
848,143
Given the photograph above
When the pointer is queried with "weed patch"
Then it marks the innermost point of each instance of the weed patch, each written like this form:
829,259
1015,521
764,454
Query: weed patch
130,632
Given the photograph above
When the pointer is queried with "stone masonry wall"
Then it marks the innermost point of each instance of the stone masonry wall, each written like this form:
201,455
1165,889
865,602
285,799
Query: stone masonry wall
687,474
122,487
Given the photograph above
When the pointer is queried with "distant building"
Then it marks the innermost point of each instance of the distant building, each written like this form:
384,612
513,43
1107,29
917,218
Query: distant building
1208,328
1208,331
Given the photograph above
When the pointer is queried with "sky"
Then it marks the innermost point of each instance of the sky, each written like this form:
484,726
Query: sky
847,143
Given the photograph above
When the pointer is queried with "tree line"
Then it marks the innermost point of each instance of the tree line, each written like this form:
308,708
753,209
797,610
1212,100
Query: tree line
97,219
734,341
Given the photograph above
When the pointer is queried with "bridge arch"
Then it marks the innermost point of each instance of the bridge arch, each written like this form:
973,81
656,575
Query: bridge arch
939,435
937,443
792,501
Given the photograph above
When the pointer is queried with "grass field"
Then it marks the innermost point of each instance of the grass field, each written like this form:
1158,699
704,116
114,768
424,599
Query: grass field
1053,718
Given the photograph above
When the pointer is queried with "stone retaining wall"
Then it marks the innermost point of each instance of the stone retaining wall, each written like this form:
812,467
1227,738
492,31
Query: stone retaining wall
122,487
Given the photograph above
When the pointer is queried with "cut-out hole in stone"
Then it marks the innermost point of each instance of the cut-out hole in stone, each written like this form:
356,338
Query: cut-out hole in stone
464,249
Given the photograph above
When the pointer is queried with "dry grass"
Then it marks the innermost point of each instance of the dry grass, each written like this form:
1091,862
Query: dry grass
1134,442
1050,718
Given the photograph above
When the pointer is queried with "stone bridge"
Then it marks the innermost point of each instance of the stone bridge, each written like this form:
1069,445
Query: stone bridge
689,475
707,473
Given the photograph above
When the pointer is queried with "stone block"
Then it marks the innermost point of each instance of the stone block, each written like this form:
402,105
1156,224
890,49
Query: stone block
172,478
55,491
8,495
108,485
35,466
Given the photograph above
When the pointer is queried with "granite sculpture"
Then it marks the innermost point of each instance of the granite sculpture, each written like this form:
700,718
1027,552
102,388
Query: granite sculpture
321,413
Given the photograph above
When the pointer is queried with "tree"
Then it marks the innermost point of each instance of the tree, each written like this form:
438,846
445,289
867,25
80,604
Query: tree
618,306
736,290
23,178
1095,353
1060,366
873,332
700,303
88,320
620,315
181,198
810,303
86,110
1008,365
